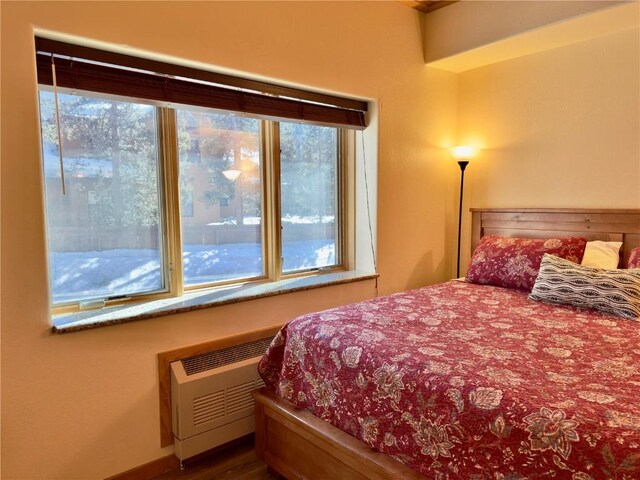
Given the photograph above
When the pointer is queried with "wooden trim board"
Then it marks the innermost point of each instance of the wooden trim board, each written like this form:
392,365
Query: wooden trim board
223,458
150,470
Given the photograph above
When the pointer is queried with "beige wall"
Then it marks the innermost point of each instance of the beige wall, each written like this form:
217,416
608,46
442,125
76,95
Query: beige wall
84,405
558,129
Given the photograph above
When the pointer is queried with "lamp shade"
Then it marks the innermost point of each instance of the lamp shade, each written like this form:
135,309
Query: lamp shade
462,152
232,174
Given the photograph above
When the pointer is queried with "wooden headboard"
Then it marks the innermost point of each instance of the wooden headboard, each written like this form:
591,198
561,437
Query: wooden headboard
622,225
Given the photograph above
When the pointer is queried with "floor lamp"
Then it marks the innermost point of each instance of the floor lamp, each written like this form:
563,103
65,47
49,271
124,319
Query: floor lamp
462,154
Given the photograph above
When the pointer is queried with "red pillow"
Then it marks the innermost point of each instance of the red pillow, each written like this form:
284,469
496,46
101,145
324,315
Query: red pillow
514,262
634,258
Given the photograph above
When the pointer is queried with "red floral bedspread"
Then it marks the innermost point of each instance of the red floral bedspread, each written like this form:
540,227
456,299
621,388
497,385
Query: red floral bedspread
463,381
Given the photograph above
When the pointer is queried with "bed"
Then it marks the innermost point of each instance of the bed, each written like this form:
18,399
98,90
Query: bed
460,380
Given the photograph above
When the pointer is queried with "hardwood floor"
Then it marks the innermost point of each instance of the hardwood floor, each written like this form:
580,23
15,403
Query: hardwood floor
237,462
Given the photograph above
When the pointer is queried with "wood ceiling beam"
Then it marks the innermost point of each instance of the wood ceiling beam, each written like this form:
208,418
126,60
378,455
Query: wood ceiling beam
427,6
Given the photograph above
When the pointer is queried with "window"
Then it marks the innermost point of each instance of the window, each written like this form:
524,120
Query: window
149,198
221,165
310,196
104,233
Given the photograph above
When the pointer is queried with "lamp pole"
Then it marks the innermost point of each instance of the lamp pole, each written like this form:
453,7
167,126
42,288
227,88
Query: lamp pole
462,153
463,164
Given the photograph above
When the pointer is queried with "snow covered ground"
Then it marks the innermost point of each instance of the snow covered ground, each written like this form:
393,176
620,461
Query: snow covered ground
82,275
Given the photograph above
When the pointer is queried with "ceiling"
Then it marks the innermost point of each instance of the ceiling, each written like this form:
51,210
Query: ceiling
427,6
536,36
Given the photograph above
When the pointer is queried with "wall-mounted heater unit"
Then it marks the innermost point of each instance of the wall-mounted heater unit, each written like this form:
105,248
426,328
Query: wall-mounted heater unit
211,398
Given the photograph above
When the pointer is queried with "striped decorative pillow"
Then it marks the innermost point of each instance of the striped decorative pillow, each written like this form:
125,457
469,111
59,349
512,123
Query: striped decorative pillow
612,291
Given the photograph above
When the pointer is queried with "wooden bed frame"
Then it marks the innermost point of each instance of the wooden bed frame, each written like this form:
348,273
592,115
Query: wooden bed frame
298,445
621,225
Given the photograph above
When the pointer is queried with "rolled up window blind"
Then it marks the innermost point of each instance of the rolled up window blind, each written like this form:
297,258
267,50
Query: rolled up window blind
94,70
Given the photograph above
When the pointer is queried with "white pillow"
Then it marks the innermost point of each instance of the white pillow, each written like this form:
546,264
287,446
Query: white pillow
599,254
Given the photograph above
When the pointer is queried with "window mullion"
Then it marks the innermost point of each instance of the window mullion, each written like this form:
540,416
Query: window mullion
346,197
172,233
271,207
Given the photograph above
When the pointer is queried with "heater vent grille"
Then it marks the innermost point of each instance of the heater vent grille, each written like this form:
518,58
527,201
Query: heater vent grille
221,403
208,407
225,356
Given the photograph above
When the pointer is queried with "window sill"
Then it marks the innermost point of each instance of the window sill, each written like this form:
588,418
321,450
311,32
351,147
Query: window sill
197,300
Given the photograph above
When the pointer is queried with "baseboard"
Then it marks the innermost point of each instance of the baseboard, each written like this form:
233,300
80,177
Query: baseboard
149,470
170,463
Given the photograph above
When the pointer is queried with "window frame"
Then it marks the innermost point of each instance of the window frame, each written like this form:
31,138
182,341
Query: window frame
170,211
